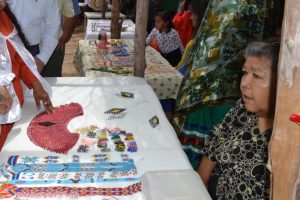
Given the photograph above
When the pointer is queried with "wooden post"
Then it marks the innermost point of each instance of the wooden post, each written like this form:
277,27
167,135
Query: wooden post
104,8
142,7
284,149
116,24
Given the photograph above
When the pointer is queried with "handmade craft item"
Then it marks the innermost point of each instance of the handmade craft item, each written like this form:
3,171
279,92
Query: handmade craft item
49,130
127,95
154,121
116,113
22,171
95,135
10,191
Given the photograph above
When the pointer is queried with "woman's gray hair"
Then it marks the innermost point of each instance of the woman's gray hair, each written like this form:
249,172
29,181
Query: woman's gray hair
270,50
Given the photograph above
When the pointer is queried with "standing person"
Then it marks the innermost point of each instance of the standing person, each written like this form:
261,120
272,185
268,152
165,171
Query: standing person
16,65
238,147
69,12
40,23
197,11
211,83
183,24
167,38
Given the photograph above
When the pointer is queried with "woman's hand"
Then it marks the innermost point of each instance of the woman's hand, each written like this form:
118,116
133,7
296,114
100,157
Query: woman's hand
5,100
206,169
41,95
2,4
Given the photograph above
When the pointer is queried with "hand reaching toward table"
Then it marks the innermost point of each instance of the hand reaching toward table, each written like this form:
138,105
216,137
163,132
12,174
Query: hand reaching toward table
41,95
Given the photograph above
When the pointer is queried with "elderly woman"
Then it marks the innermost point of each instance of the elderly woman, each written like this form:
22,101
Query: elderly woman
16,66
238,148
211,83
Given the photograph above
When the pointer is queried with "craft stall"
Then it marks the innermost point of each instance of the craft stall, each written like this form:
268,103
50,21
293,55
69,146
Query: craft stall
95,26
117,58
103,137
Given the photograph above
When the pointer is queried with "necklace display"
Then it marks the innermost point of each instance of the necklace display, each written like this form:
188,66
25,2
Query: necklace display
35,170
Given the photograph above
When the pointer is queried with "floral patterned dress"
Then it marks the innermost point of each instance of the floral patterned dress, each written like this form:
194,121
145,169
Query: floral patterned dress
240,152
225,32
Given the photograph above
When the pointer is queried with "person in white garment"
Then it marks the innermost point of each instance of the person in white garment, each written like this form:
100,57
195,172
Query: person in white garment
18,74
40,22
69,11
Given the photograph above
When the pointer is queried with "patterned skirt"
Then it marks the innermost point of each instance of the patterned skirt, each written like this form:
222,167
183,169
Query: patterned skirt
197,126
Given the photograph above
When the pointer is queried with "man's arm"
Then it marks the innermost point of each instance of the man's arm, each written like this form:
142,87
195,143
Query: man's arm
70,11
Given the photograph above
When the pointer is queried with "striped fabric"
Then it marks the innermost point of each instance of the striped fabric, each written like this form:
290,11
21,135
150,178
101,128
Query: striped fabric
197,126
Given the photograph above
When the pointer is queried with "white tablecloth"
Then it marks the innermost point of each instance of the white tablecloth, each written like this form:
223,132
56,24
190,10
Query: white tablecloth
158,148
94,25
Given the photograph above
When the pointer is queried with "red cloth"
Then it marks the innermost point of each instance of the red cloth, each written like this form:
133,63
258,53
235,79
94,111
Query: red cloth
19,68
183,26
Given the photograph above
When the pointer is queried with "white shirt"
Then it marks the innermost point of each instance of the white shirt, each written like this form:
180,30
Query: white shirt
167,42
40,22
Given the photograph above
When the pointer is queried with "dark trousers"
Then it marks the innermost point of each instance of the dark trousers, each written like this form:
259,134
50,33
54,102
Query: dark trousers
173,57
212,186
53,67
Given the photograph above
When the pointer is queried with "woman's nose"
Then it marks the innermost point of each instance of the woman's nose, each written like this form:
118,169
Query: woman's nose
246,81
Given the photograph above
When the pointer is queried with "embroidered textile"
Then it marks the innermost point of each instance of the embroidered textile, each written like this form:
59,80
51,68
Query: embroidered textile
50,131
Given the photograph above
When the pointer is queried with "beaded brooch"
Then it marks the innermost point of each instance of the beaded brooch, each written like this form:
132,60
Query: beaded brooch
95,135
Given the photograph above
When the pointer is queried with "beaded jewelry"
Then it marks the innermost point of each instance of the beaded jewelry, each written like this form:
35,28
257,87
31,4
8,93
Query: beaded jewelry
49,130
10,191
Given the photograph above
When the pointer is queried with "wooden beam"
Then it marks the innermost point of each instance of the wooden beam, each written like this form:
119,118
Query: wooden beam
284,149
142,7
116,24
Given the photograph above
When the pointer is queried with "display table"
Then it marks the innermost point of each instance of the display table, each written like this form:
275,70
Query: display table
158,147
159,74
97,15
95,25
